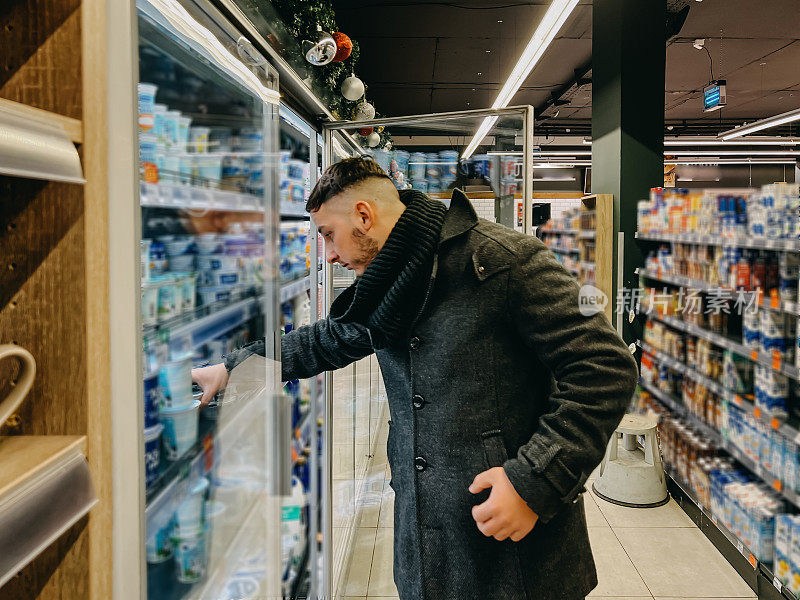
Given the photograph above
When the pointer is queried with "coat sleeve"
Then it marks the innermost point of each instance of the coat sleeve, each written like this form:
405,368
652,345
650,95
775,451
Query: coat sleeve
307,351
595,377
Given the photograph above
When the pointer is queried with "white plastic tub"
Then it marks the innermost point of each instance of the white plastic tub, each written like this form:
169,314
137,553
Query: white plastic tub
180,429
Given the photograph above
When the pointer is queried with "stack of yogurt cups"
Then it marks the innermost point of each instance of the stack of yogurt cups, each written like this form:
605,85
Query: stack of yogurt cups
169,282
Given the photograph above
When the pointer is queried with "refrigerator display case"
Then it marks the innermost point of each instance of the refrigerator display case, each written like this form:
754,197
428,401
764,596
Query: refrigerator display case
214,271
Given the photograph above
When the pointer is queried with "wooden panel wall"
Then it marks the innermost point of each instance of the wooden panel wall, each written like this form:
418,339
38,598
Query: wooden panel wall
43,279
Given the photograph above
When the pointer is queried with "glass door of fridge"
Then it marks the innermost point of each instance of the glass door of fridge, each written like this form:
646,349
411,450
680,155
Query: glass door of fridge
217,472
430,153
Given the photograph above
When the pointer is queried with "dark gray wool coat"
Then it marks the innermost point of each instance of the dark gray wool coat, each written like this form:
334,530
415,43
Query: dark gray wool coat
500,369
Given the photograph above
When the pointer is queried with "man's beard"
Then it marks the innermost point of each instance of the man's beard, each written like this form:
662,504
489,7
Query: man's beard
367,248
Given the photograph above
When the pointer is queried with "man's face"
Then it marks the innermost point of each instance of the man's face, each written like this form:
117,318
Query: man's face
347,226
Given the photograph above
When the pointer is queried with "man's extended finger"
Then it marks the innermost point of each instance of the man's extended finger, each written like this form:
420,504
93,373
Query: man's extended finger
488,528
483,512
481,482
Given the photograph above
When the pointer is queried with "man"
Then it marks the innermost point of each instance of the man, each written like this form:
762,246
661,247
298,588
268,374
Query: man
502,394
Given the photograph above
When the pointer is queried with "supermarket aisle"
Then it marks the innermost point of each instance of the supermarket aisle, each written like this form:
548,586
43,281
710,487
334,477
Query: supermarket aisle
640,553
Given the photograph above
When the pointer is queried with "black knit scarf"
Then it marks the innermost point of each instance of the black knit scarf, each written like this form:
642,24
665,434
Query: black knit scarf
387,297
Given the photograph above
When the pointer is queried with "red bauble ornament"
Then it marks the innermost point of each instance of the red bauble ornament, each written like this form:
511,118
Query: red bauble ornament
365,131
343,46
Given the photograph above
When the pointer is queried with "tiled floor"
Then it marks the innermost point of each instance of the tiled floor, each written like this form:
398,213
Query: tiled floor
641,554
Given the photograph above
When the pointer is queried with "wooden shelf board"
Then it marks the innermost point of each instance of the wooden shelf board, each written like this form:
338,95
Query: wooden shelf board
72,127
25,456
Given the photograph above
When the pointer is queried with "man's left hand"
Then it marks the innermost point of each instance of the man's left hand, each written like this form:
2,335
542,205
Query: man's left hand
505,514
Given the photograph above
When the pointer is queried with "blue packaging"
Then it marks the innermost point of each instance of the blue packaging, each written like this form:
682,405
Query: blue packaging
152,399
152,453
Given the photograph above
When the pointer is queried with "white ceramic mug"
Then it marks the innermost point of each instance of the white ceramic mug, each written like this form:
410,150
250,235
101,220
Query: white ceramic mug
10,403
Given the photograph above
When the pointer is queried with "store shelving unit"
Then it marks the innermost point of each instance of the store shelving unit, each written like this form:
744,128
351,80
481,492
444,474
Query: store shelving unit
758,574
53,269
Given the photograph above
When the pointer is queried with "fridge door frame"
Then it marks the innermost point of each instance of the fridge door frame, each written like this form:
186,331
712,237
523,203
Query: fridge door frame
124,297
329,130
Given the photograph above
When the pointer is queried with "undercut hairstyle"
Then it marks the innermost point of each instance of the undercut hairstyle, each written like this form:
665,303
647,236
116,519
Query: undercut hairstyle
340,176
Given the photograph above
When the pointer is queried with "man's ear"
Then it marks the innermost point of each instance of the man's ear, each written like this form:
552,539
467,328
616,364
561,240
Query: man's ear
365,212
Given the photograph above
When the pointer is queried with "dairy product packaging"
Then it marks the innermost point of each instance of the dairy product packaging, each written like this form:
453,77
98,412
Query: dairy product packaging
180,428
152,453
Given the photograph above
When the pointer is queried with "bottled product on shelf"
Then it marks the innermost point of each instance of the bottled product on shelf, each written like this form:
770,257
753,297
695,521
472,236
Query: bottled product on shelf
750,511
770,213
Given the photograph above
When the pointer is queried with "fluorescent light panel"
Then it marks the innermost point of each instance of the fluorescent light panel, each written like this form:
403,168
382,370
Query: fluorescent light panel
781,119
557,13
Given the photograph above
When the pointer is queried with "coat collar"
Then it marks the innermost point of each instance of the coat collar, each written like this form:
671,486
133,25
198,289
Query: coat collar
460,218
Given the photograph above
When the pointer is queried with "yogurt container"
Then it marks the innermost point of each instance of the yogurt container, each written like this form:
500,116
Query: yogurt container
209,169
217,262
179,245
152,453
175,379
189,292
152,399
190,514
416,166
182,263
158,258
145,259
180,428
171,127
183,132
159,111
159,545
168,307
420,185
149,304
221,278
198,139
147,101
209,243
210,295
190,558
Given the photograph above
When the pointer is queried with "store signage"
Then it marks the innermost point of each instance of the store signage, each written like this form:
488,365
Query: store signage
714,96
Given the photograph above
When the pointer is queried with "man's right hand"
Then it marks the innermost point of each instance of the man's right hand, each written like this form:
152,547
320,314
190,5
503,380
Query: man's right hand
211,379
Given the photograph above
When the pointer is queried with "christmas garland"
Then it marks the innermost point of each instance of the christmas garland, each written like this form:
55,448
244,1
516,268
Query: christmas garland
301,18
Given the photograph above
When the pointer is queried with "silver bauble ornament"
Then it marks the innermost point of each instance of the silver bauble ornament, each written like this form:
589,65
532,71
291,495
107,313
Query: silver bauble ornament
321,50
373,139
364,111
352,88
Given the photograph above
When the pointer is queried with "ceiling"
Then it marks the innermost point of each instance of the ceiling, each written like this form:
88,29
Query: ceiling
421,57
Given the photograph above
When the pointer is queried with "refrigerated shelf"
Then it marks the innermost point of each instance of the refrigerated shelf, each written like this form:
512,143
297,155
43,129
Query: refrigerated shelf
188,197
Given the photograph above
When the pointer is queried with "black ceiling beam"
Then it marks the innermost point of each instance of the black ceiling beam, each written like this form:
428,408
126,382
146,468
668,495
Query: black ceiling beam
579,78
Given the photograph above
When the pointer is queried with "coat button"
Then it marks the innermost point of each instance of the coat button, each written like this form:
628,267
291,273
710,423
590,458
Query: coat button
414,343
419,401
481,269
420,464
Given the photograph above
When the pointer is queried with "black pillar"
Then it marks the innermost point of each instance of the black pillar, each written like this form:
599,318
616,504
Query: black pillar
628,62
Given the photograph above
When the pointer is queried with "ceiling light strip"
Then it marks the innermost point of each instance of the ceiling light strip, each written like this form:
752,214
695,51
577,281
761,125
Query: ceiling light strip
555,17
781,119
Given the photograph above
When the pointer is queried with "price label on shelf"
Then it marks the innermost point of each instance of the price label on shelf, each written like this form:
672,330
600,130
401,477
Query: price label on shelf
775,423
737,399
777,484
740,547
757,412
754,355
753,562
776,360
777,584
714,520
